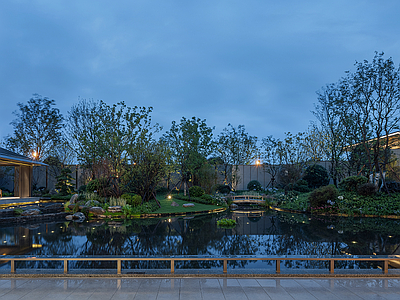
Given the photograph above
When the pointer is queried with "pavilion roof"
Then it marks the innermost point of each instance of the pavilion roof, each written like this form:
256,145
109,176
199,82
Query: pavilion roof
9,158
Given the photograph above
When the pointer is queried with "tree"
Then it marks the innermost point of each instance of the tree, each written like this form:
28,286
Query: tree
149,168
37,128
83,130
368,105
109,139
332,130
271,157
191,143
293,157
235,147
64,184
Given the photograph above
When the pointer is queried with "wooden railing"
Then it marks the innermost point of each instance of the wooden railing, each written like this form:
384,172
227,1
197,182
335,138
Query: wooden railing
384,260
248,198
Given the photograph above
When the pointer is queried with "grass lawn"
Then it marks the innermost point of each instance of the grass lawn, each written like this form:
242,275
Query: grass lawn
166,207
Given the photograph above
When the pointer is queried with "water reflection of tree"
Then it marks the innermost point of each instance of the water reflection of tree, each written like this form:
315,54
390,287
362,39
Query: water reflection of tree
279,235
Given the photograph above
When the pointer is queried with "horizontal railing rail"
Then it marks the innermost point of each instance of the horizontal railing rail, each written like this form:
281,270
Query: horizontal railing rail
172,259
248,198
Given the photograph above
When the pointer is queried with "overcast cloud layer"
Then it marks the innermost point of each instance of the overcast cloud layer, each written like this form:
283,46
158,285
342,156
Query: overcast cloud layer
257,63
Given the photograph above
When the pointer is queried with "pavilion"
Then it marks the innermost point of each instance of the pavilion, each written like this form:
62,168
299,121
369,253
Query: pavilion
23,170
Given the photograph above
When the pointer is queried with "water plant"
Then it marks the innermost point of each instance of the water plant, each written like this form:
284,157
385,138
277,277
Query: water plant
226,223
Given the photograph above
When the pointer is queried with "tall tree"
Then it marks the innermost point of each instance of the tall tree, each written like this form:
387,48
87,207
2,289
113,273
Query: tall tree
37,128
271,157
293,156
235,147
332,130
369,107
191,143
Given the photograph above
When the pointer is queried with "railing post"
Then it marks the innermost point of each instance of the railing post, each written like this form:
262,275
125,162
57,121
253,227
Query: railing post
385,266
278,266
65,266
12,266
172,266
118,266
225,266
331,266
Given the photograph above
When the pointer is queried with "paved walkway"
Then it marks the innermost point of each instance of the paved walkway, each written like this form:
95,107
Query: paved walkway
199,288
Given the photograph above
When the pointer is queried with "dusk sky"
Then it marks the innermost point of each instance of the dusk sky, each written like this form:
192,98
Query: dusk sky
256,63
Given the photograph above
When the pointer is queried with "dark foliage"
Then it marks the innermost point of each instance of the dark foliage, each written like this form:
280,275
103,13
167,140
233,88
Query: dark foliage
316,176
196,191
366,189
319,197
254,185
350,184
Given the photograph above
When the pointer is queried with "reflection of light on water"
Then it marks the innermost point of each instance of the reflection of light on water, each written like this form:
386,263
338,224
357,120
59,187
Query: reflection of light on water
36,246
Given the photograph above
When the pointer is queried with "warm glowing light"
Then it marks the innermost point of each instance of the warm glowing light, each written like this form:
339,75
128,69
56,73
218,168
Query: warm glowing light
169,197
34,154
169,220
36,246
258,162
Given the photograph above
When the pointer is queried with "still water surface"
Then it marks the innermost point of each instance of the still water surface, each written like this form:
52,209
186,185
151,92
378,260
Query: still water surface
257,233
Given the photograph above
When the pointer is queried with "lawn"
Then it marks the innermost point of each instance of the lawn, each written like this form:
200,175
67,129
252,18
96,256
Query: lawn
166,207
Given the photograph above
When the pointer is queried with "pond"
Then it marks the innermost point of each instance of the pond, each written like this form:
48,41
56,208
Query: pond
257,233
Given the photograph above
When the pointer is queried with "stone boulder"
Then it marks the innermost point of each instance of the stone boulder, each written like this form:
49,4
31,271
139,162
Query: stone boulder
233,206
69,217
92,203
31,212
114,209
78,217
96,210
174,203
74,198
188,205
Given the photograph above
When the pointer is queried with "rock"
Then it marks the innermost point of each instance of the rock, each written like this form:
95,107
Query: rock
96,210
92,203
78,217
82,207
174,203
233,206
69,217
74,198
188,205
31,212
114,209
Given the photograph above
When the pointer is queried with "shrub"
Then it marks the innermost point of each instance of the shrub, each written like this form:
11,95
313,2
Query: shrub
82,189
393,186
162,190
92,186
254,185
207,198
300,186
196,191
135,200
320,196
350,184
222,188
226,223
366,189
316,176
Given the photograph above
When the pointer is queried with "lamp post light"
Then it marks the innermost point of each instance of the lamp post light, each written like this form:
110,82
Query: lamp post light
34,154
